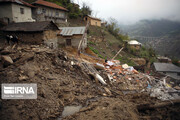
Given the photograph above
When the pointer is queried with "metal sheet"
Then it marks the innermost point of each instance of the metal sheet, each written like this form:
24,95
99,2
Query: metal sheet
69,31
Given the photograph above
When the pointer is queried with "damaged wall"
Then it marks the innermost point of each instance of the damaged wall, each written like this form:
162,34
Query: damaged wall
50,38
28,37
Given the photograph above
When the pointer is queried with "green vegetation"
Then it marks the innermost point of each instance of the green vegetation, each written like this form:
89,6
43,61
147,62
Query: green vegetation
126,60
114,29
91,43
175,61
96,52
147,53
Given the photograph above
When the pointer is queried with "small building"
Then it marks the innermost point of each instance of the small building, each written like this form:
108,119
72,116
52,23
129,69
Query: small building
71,36
92,20
164,59
44,32
15,11
134,44
168,69
47,11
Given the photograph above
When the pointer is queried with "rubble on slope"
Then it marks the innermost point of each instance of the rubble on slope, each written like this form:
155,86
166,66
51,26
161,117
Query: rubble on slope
64,80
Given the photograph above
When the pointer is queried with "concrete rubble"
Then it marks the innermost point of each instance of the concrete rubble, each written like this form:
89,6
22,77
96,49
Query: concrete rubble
136,81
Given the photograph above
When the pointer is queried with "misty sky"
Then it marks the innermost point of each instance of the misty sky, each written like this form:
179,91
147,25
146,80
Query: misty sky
130,11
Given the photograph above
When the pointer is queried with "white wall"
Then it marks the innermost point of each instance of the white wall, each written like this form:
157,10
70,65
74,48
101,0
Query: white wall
18,17
6,11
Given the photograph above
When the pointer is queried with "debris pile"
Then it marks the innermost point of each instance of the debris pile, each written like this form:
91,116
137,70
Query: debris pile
126,76
128,79
164,91
66,81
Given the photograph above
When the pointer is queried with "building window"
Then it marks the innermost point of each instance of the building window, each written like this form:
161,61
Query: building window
22,10
96,23
57,13
43,10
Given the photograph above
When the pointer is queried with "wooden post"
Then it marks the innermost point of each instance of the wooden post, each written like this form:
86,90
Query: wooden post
117,53
80,43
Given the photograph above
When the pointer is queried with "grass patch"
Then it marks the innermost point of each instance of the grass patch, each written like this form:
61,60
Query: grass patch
126,60
96,52
91,43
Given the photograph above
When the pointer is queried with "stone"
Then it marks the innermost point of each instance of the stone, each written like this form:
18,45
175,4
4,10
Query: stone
22,77
7,60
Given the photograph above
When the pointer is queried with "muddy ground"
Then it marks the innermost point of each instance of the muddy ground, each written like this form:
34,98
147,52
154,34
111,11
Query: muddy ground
61,84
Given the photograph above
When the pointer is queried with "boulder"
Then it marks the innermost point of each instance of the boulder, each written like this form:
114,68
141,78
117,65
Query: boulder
6,60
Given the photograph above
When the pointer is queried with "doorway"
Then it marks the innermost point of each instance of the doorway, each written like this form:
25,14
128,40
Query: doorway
68,42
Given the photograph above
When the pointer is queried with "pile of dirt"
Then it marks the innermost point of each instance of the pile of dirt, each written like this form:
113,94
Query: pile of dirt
61,82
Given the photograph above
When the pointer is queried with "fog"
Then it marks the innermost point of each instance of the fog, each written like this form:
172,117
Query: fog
131,11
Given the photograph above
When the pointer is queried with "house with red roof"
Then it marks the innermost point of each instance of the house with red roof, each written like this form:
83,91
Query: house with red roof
47,11
15,11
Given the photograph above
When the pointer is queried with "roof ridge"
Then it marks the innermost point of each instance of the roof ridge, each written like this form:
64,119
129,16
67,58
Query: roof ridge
49,4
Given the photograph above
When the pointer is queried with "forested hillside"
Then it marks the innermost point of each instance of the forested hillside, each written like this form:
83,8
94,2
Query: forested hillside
152,28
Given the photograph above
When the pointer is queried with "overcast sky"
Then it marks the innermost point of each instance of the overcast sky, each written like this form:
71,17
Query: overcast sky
130,11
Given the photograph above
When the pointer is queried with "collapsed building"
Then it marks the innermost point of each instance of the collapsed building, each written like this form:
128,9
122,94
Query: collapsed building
44,32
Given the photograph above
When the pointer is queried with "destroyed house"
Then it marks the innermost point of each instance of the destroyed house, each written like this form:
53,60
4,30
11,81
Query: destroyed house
44,32
47,11
168,69
15,11
71,36
92,20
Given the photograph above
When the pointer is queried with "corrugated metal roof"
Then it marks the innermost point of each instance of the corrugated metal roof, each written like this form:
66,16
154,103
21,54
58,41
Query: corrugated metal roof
166,67
70,31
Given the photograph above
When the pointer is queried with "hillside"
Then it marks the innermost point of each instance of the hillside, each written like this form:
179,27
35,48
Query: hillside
106,48
152,28
162,35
